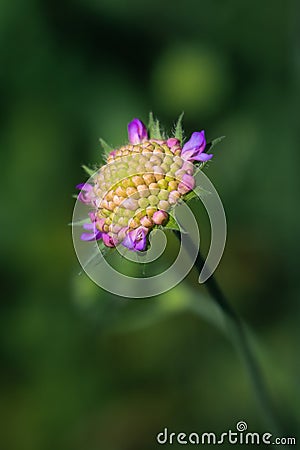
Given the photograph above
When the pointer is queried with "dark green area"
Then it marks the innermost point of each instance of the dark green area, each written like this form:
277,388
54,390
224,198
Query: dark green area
80,368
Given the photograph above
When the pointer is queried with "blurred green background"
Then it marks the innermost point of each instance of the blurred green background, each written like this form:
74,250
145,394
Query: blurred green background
80,368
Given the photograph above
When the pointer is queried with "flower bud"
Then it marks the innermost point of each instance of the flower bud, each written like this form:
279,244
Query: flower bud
164,205
100,224
162,184
172,142
163,195
143,190
133,223
174,196
153,200
149,178
143,202
118,200
131,191
172,185
121,191
153,188
160,217
150,211
137,180
130,204
146,222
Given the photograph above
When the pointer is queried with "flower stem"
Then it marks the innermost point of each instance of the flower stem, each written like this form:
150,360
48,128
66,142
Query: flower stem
240,338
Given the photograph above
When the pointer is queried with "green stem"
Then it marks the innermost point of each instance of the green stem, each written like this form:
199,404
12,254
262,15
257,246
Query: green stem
240,339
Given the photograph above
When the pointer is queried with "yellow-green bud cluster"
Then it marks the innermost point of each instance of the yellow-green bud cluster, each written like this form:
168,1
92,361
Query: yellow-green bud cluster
138,186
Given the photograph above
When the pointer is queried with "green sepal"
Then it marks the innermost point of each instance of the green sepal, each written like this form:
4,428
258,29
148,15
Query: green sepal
178,132
88,170
106,147
154,128
214,142
201,164
171,224
80,222
150,123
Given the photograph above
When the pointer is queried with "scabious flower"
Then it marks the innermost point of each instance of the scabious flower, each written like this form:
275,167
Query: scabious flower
139,185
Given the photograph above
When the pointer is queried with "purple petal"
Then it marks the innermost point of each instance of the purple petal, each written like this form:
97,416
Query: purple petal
128,242
204,157
141,245
90,236
92,216
197,142
139,237
189,181
87,236
86,194
193,150
171,142
85,187
96,234
137,132
88,226
112,153
136,239
108,240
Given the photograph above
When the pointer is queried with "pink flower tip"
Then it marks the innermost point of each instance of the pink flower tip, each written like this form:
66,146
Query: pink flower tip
86,194
160,217
137,132
172,142
108,240
187,184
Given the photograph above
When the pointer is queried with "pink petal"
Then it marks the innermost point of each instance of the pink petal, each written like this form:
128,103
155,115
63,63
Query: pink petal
137,132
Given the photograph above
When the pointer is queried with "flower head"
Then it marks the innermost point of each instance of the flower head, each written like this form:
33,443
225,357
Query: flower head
141,182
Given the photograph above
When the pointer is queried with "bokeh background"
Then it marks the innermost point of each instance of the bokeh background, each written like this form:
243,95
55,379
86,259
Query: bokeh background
80,368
